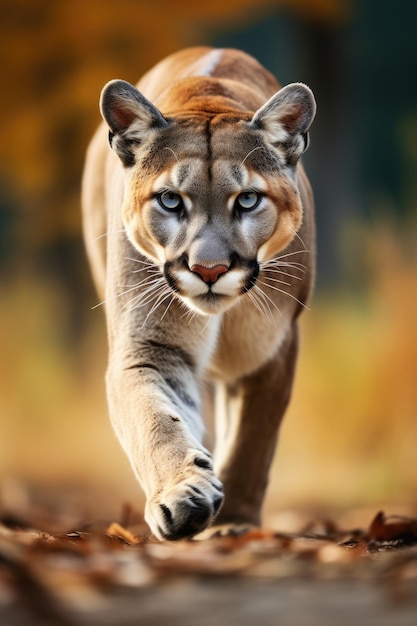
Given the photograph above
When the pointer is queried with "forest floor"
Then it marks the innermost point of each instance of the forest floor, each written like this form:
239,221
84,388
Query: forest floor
58,570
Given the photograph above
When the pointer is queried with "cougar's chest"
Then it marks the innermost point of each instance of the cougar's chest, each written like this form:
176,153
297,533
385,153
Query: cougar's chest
246,341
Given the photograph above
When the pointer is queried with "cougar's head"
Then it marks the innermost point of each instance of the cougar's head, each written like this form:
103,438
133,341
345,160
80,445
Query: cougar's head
211,188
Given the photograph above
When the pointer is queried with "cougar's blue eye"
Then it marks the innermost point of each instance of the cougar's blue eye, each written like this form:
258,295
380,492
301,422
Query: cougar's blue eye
247,200
170,201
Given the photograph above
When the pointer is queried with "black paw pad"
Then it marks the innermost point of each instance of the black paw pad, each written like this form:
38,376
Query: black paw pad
204,463
217,504
167,514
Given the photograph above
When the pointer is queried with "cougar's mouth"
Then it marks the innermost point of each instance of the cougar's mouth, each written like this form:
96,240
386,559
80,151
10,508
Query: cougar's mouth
212,291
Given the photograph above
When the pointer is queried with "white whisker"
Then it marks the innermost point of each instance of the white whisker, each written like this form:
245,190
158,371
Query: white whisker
148,280
300,240
282,282
149,270
110,232
275,264
146,296
260,306
171,150
148,263
284,256
98,304
249,153
290,295
138,303
144,282
188,313
166,310
281,272
204,327
267,299
163,296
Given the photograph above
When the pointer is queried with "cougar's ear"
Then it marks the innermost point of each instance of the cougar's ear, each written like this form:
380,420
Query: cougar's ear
129,116
286,118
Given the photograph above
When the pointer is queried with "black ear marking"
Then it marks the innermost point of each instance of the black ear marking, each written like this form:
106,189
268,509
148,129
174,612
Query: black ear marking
126,155
111,136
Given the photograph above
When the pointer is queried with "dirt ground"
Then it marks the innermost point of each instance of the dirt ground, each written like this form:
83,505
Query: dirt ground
244,602
58,570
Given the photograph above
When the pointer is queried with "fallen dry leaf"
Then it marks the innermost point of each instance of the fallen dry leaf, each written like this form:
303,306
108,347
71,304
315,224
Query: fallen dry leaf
82,568
393,528
117,530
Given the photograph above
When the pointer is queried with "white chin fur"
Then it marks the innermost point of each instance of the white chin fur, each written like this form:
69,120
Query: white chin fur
227,287
209,307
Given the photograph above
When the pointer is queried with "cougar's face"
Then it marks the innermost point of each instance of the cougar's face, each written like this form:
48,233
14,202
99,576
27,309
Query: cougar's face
210,189
209,212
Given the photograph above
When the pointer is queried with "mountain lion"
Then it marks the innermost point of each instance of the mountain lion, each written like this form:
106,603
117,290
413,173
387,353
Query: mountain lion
207,261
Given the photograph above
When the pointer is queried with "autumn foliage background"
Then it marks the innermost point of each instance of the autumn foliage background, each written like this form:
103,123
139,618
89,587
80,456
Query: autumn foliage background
350,435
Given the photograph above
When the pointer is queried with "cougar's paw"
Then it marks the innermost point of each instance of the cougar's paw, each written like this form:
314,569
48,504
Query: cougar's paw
189,506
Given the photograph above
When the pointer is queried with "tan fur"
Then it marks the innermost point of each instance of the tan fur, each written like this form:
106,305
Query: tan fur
208,132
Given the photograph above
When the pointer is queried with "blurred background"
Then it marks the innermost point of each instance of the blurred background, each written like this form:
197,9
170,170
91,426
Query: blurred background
350,436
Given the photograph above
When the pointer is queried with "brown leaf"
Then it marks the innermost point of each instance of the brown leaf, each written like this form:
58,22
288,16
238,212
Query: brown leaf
197,558
337,553
393,528
117,530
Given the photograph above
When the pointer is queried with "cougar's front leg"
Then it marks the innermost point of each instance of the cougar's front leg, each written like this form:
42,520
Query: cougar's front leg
251,413
154,405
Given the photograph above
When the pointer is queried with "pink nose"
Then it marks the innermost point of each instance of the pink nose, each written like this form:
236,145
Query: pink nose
209,274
